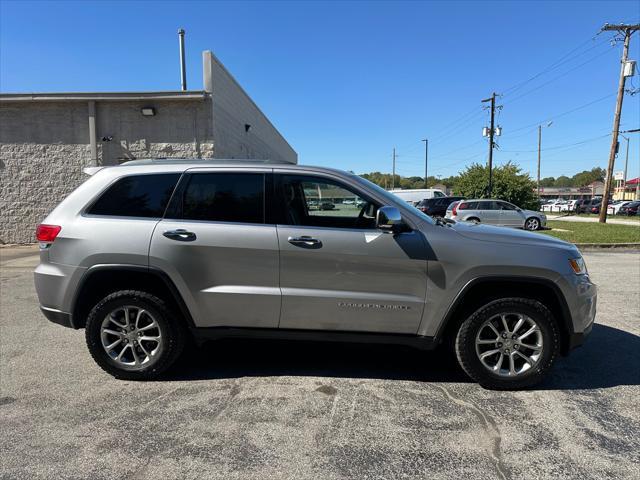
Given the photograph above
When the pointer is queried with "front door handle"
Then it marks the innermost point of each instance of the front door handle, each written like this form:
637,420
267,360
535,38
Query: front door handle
305,241
180,234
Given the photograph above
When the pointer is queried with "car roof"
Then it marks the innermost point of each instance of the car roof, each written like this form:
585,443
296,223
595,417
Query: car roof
178,164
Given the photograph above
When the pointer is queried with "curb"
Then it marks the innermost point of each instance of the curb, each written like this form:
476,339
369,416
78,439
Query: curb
608,245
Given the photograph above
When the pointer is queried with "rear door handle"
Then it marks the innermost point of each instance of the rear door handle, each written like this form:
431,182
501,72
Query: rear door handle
304,241
180,234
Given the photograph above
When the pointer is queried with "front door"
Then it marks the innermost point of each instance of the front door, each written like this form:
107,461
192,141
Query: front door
218,250
337,271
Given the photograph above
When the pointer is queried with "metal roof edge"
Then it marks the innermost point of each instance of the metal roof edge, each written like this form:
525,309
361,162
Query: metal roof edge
103,96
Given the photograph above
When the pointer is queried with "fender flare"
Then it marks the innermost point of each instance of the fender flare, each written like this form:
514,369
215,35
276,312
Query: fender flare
566,320
160,274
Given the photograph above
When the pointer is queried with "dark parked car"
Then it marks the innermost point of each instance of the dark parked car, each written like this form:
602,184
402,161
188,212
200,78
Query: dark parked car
327,206
436,207
630,209
588,205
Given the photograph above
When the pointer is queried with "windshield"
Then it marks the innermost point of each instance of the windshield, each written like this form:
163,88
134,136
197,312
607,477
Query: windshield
393,199
438,194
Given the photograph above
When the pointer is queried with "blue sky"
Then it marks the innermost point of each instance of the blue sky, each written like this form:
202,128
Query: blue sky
345,82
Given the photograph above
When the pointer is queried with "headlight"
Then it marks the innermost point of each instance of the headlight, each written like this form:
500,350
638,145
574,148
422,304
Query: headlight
578,265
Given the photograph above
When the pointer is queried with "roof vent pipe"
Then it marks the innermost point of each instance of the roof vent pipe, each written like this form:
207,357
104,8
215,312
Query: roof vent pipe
183,67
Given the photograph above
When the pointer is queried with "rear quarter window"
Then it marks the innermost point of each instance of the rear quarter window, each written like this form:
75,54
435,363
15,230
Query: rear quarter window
136,196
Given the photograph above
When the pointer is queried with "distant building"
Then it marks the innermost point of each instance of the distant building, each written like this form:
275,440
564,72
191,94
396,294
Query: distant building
594,189
628,191
46,139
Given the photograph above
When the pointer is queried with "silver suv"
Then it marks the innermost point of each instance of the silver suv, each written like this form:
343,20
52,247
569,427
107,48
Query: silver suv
150,254
496,212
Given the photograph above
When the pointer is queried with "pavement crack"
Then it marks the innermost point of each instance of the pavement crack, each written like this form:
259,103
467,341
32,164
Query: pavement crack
490,427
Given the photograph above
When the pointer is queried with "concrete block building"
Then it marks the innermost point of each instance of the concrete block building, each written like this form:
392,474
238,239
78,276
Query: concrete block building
46,139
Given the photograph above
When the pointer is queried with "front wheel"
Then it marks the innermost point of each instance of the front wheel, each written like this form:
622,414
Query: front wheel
133,335
508,344
532,224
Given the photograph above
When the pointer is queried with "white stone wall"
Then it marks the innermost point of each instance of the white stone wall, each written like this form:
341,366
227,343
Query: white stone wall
45,145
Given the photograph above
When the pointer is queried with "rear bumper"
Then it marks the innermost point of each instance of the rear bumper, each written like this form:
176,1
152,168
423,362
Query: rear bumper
56,316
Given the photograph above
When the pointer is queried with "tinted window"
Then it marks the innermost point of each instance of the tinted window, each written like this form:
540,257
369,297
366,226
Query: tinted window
137,196
320,202
486,206
470,205
224,197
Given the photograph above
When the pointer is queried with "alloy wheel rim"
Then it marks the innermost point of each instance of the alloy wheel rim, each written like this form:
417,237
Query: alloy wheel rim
131,337
532,224
509,344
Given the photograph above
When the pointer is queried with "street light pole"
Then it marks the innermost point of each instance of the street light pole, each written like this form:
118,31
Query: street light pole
539,153
426,159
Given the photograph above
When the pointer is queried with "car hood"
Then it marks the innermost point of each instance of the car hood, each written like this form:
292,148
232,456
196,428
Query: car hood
489,233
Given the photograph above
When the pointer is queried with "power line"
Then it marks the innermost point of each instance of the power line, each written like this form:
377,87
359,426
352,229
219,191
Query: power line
556,64
562,114
558,146
558,77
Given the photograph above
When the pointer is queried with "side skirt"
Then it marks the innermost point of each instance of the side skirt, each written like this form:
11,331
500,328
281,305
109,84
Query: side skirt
214,333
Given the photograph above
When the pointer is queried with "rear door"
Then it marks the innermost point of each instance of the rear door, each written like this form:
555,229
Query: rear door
216,247
488,212
337,271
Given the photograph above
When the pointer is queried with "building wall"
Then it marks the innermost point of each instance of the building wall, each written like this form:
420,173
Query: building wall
45,145
179,129
233,110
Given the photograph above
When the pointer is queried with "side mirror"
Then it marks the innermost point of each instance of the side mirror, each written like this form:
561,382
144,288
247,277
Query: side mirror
388,219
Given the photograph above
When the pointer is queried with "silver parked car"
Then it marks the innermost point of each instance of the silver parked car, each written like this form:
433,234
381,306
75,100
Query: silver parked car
148,254
496,212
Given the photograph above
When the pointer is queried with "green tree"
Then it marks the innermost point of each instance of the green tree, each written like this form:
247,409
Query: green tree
563,181
587,177
548,182
509,183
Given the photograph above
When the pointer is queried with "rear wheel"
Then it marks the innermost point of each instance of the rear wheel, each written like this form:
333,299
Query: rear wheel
132,335
508,344
473,219
532,224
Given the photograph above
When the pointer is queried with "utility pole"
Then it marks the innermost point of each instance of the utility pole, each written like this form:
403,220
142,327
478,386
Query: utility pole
539,150
393,175
426,159
491,132
628,31
626,166
637,197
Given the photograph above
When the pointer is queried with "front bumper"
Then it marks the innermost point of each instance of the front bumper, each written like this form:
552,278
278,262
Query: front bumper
582,303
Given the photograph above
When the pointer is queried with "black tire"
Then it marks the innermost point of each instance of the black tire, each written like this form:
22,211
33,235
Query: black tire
529,224
465,343
473,219
170,326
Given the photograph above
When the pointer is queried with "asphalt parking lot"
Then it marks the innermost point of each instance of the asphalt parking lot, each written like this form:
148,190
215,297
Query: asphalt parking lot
278,410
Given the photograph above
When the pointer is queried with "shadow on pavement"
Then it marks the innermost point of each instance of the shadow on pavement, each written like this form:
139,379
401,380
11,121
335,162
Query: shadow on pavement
609,357
248,358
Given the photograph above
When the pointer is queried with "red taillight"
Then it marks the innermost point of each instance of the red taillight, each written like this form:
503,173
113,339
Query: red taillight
47,233
454,211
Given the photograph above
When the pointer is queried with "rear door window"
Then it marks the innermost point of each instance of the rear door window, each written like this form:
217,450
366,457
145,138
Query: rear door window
224,197
486,206
136,196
